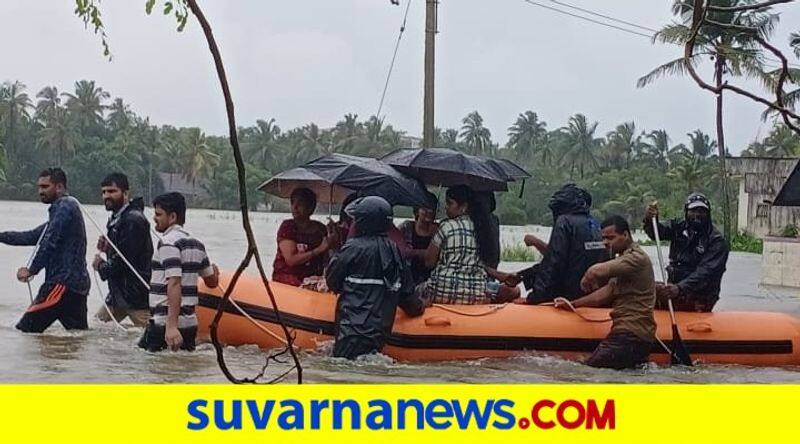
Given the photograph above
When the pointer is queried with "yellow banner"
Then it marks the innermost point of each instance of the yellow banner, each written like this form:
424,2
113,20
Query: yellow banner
136,414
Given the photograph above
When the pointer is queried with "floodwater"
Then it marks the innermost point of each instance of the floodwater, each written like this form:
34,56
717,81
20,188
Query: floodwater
107,354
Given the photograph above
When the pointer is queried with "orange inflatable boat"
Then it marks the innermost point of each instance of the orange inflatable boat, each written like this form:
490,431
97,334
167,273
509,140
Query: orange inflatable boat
451,332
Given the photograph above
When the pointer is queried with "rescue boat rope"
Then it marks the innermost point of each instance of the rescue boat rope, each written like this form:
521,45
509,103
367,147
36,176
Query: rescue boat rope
489,311
574,310
122,256
251,319
103,300
32,256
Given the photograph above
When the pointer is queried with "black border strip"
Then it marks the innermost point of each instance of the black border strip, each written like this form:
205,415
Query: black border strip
328,328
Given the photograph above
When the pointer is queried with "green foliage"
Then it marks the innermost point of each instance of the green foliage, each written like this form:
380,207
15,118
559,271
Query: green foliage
518,253
90,134
782,141
790,230
89,12
2,164
746,243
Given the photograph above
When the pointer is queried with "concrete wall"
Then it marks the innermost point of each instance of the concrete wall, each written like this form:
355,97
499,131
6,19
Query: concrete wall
760,179
780,263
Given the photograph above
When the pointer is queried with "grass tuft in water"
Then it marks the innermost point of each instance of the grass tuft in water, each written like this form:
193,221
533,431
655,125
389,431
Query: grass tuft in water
518,253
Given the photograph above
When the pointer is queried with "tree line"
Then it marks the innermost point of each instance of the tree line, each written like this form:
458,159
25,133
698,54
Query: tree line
89,134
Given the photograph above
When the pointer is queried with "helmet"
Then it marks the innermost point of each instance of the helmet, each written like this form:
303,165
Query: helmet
697,200
372,214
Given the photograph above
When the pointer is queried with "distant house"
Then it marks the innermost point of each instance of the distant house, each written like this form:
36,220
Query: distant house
175,182
760,179
410,142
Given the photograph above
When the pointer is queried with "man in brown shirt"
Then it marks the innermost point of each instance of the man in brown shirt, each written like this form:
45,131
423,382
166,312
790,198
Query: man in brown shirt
627,284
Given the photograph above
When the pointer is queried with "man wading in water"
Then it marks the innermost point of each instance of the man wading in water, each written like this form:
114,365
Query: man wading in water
627,284
61,252
177,263
129,230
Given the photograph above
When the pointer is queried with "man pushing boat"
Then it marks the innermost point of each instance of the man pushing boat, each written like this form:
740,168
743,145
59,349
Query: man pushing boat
627,284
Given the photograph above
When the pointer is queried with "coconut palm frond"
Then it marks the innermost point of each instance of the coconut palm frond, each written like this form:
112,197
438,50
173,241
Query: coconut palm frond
675,67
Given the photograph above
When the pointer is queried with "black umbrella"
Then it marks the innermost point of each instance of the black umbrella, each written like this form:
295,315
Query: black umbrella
789,195
370,177
446,167
511,170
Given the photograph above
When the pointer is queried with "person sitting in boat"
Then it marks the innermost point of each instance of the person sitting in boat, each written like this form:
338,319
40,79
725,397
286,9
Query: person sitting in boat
627,284
345,228
372,280
698,254
458,253
575,245
417,236
488,205
339,231
303,243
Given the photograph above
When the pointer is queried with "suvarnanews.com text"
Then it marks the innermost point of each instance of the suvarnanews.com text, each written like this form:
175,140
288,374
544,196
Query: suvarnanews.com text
400,414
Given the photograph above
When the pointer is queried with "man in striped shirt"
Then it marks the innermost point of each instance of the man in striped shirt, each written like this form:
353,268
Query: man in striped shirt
177,263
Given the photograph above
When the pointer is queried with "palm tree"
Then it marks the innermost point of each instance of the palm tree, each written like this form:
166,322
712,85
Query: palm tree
701,145
261,143
734,50
170,158
199,159
378,138
14,106
87,104
526,137
782,141
632,201
49,101
658,149
690,171
373,128
314,143
445,138
580,145
59,136
622,144
346,132
120,115
477,138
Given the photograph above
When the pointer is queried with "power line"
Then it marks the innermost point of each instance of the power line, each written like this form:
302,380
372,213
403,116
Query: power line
613,19
630,31
394,57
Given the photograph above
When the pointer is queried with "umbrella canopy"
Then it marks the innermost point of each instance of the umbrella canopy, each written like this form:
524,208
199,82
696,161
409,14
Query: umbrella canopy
511,170
283,184
446,167
345,174
789,195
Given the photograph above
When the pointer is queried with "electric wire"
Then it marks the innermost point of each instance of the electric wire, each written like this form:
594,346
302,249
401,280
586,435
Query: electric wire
394,58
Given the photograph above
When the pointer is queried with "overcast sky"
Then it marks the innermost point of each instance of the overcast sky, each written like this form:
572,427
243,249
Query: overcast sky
304,61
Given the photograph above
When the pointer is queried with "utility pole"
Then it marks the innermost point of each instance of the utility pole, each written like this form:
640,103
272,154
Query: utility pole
431,7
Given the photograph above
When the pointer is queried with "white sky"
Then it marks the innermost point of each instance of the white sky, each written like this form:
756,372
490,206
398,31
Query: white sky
315,60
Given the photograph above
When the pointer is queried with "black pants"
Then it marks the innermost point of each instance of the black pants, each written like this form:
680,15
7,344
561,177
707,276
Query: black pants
153,337
55,302
351,347
620,350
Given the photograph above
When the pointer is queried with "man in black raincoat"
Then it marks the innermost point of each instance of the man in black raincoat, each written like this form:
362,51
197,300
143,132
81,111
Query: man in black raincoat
129,230
575,245
371,279
698,254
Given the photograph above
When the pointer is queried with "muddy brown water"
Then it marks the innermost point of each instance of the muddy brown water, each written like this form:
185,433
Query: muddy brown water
105,354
